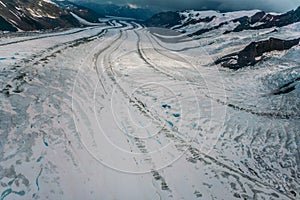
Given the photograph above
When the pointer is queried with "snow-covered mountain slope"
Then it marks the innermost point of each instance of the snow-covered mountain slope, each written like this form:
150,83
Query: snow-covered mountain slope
128,112
237,21
41,14
200,22
195,20
81,11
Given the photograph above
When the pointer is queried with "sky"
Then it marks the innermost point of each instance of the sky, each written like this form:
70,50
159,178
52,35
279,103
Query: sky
222,5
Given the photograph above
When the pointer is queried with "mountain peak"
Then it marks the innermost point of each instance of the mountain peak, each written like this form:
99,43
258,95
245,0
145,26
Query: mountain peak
41,14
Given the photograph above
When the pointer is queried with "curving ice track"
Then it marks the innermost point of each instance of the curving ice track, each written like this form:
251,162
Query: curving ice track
126,112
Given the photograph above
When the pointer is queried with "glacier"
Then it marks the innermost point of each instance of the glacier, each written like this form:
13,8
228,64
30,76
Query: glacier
122,111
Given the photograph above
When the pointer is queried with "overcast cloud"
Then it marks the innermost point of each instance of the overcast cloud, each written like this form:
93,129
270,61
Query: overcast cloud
222,5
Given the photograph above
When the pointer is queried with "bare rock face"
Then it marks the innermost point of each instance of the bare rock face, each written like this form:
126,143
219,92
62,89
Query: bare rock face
81,11
39,14
36,15
252,53
164,19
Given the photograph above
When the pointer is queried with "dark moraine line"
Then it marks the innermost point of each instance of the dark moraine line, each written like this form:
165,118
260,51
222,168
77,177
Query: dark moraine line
196,154
57,35
97,55
46,36
50,53
262,114
155,38
146,60
287,88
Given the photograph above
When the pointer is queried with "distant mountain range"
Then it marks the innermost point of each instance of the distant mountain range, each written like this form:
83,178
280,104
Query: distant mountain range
120,11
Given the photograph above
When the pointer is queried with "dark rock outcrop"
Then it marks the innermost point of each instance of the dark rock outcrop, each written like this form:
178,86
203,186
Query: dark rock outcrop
252,53
164,20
